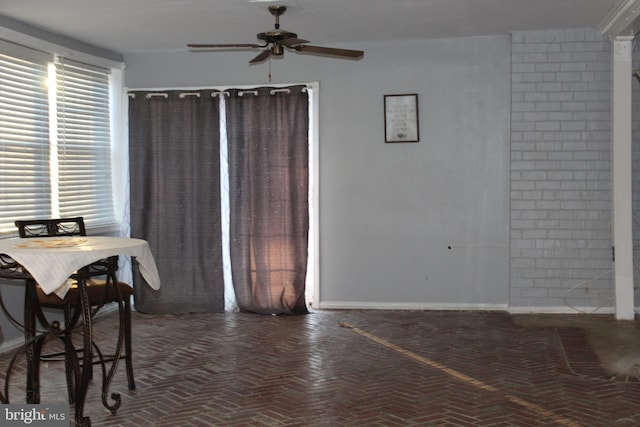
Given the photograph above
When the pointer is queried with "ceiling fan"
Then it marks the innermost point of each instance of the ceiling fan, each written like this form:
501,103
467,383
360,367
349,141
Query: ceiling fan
276,40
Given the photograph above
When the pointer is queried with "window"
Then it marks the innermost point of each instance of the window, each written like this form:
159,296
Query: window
83,143
55,139
24,140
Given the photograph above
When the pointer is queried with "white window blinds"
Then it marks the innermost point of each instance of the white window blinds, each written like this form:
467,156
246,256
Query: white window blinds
55,139
24,140
84,143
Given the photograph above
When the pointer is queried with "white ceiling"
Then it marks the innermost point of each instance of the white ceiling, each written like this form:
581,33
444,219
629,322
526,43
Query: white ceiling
127,26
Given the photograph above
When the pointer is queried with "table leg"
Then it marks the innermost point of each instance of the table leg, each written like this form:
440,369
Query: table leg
108,377
87,357
33,345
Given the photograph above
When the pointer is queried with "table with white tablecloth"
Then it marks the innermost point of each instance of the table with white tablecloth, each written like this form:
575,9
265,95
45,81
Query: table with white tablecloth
51,261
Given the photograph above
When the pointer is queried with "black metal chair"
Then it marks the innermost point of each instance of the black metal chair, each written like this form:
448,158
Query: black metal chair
101,291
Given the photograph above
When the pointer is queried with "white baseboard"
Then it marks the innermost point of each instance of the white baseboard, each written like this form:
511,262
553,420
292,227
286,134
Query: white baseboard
11,345
561,310
361,305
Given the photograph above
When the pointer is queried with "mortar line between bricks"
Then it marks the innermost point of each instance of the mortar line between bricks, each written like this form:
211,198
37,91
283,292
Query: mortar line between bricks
462,377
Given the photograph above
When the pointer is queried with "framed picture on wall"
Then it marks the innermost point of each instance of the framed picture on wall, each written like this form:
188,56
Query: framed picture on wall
401,118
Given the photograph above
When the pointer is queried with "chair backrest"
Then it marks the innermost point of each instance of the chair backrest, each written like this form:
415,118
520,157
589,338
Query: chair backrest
51,227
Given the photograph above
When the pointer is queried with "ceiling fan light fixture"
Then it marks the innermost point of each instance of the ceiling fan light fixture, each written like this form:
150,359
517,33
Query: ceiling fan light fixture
277,50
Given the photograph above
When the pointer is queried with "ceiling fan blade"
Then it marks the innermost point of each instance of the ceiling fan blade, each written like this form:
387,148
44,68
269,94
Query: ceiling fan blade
224,46
348,53
261,57
294,41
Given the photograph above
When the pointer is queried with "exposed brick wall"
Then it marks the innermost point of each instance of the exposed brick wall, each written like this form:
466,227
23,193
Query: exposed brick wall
560,233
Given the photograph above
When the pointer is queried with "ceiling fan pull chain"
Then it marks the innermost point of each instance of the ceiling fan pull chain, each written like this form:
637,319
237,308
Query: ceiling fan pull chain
269,69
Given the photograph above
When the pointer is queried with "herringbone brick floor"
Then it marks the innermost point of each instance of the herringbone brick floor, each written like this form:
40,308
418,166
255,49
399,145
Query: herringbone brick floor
356,368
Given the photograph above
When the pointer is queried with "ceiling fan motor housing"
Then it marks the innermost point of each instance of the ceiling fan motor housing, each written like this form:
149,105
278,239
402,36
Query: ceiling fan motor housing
276,36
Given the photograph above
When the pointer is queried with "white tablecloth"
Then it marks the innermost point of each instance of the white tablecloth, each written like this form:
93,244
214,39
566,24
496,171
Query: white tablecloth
51,260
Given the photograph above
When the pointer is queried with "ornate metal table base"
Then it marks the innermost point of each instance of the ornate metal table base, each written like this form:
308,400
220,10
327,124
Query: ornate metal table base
78,372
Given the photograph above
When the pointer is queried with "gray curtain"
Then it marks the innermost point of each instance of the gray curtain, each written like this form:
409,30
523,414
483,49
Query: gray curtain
269,213
174,141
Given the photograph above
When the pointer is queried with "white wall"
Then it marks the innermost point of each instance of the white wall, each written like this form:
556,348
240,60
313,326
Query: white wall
389,212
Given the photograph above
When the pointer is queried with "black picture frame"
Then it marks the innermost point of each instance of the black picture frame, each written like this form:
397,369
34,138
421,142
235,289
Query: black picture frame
401,122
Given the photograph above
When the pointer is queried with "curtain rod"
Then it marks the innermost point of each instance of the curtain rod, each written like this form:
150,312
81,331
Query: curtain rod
308,85
214,94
